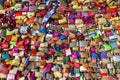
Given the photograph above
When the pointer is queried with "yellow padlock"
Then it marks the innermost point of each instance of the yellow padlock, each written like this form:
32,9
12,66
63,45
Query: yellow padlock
79,1
114,19
9,62
91,30
113,6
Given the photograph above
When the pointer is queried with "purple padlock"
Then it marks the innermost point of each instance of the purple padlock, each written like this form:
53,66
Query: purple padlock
71,16
10,14
103,55
44,1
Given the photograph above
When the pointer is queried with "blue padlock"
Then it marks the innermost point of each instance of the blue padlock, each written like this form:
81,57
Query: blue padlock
57,47
94,55
48,15
5,56
62,37
44,75
116,58
114,45
91,34
33,32
78,54
27,61
71,16
72,71
113,38
85,14
23,29
44,1
42,30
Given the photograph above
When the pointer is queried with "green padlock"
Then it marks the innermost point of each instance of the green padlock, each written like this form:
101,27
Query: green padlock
107,46
107,24
96,36
12,43
66,59
118,65
82,77
76,70
1,4
59,53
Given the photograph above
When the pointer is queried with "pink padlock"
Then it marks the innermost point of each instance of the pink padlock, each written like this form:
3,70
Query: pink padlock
118,75
71,21
37,44
66,33
32,2
66,74
27,41
10,53
48,67
76,78
15,49
21,53
55,33
51,51
74,55
55,22
32,76
68,52
25,8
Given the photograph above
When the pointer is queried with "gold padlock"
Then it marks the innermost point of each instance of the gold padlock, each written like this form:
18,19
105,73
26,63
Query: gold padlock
75,48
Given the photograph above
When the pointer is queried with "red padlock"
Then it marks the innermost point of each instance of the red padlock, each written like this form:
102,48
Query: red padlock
5,46
33,51
76,65
20,44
